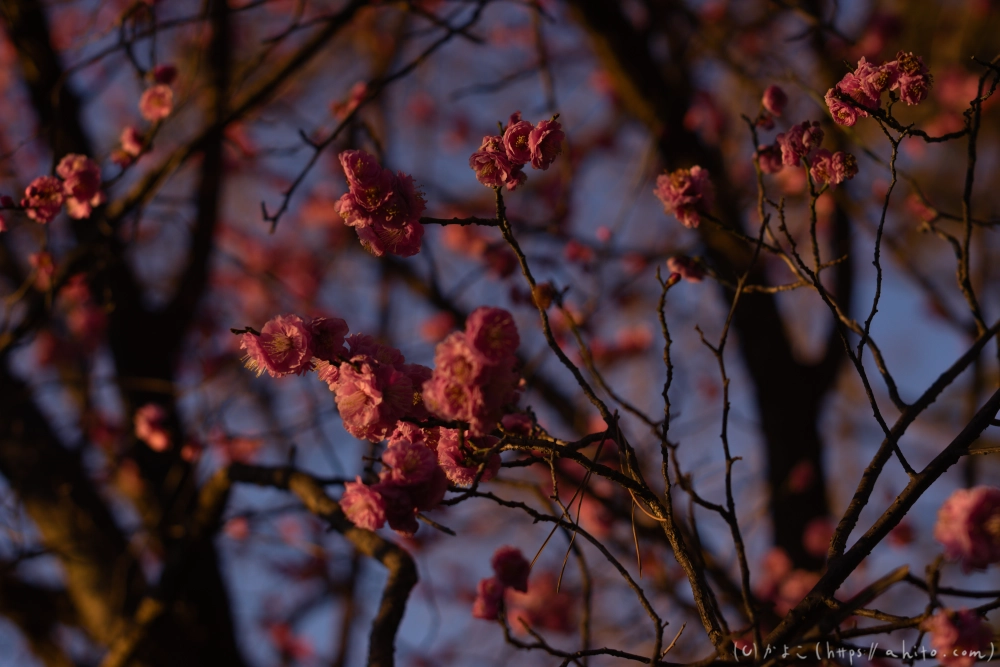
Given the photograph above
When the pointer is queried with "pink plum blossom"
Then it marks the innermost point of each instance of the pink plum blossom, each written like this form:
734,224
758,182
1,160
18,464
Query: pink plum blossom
968,525
371,397
954,633
914,82
798,141
466,385
511,568
461,463
769,158
366,345
832,168
515,139
492,166
793,589
400,510
774,100
876,79
687,268
131,141
685,193
428,495
383,207
545,143
363,506
151,427
328,335
489,595
43,199
407,463
370,184
327,372
492,334
518,423
283,347
156,102
843,112
81,185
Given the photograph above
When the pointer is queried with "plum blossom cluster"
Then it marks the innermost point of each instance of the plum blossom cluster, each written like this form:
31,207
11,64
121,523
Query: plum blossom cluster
77,186
411,481
803,142
289,344
685,268
511,570
968,525
381,396
686,194
155,105
474,379
157,101
132,144
500,160
861,90
961,638
374,388
417,466
383,207
474,376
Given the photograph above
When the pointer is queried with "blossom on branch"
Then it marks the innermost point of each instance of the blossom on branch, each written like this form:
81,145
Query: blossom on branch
687,268
774,100
284,346
43,199
832,168
865,85
798,141
685,193
961,638
493,167
461,458
512,568
81,185
383,207
156,102
500,160
489,595
545,142
474,375
968,525
364,507
769,158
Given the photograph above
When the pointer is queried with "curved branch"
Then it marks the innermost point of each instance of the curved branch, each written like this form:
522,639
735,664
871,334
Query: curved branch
399,563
